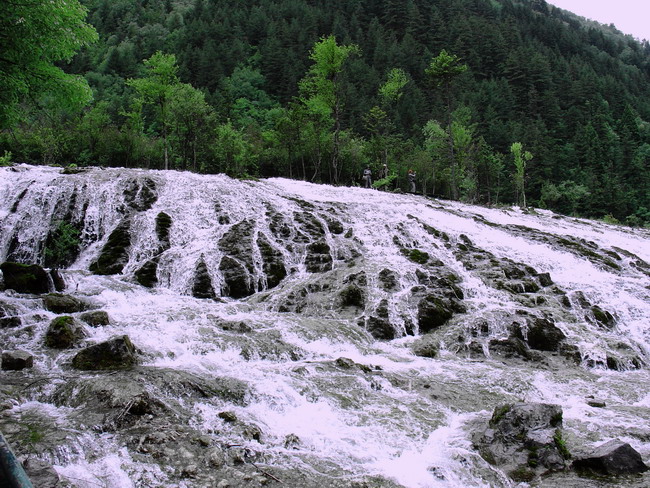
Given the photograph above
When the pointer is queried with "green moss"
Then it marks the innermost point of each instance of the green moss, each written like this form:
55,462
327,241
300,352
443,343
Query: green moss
522,474
560,443
25,278
533,460
61,333
499,413
351,296
556,419
115,253
415,255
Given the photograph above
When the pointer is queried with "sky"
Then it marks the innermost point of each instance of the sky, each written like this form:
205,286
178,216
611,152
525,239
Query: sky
629,16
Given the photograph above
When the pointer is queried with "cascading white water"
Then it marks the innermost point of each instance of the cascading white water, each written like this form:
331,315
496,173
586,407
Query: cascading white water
401,417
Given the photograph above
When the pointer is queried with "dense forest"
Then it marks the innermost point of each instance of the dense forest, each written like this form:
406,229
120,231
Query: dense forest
489,101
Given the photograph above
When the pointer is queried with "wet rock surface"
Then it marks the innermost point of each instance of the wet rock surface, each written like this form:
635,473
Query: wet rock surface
352,335
202,286
611,458
524,439
25,278
60,303
115,253
64,333
16,360
114,354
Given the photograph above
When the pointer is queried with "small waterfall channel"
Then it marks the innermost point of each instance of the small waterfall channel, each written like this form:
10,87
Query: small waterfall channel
304,335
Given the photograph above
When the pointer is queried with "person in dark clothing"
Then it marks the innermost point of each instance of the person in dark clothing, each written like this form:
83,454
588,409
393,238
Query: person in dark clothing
411,178
367,177
383,172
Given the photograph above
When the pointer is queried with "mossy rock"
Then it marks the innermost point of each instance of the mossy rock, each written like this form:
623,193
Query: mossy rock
63,333
433,312
202,286
318,259
115,354
25,278
352,296
115,253
388,279
147,274
163,224
16,360
95,318
236,278
425,348
334,226
415,255
380,328
60,303
272,262
140,195
544,335
603,317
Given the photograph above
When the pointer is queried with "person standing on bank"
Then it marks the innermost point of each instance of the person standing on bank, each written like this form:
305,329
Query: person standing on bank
411,178
367,177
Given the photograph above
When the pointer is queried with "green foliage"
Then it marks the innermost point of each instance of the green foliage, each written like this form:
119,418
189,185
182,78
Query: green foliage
444,68
62,245
233,153
560,443
576,96
415,255
5,160
391,90
384,182
35,36
157,88
521,158
321,92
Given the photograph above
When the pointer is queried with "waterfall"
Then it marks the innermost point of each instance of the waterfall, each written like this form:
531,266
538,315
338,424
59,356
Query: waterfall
313,334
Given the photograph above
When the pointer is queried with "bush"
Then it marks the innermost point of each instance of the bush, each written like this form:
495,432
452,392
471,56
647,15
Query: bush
6,159
62,245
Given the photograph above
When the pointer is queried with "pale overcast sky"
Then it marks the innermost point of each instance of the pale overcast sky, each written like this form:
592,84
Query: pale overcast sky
629,16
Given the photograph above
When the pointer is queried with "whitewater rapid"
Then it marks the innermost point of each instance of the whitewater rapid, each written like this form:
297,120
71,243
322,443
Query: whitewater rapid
407,419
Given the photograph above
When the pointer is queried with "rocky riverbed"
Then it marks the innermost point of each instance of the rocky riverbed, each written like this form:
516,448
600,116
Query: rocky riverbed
201,331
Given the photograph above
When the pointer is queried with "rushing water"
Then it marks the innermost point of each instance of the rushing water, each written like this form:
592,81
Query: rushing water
400,418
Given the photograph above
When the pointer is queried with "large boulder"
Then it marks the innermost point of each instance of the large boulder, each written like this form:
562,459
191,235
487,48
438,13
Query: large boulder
433,312
524,440
25,278
115,253
318,258
41,473
236,278
612,458
16,360
60,303
542,334
147,274
202,285
114,354
63,333
163,224
96,318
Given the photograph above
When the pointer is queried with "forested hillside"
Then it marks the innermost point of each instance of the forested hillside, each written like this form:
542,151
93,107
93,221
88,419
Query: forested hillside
319,90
